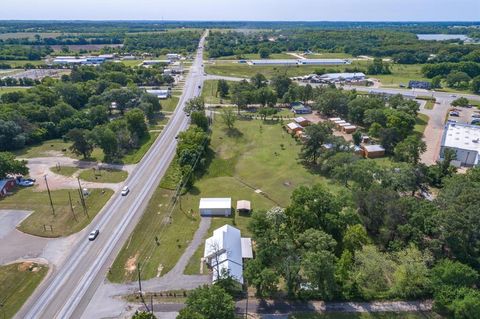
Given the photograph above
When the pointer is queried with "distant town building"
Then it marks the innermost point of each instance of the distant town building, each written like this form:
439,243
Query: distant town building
299,108
155,62
285,62
419,85
323,61
464,140
174,56
71,60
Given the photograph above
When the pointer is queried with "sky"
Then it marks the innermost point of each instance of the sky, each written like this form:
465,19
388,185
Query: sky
264,10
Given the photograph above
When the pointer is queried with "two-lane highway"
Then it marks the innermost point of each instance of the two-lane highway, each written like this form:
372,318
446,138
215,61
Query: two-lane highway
66,292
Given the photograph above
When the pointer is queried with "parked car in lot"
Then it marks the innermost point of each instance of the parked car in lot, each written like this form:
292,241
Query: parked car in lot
454,113
125,191
475,121
25,182
93,234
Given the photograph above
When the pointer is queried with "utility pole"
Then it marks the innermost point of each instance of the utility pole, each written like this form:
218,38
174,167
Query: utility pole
82,198
140,288
49,196
71,207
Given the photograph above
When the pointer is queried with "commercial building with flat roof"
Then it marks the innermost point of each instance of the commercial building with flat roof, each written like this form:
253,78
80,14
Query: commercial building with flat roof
273,62
464,140
323,61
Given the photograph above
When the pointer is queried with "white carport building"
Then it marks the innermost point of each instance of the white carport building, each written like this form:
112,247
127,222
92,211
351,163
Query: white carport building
215,206
224,252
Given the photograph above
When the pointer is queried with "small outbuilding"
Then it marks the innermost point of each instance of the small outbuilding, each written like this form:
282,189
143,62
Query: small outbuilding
293,128
349,129
301,109
373,151
244,206
215,207
302,121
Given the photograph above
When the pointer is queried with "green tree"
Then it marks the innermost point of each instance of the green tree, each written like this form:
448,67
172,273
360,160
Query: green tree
265,280
457,79
454,274
200,119
357,138
143,315
475,85
81,144
10,166
209,302
264,53
281,84
355,238
318,135
461,101
223,88
332,102
436,82
195,104
319,270
136,123
105,138
229,117
410,149
259,81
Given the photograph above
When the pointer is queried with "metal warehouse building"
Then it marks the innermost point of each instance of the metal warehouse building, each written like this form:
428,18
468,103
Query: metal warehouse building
323,62
215,206
464,139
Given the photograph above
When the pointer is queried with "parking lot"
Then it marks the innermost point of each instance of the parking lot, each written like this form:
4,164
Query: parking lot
463,114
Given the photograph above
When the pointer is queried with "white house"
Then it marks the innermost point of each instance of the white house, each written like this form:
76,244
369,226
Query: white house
215,206
464,140
224,252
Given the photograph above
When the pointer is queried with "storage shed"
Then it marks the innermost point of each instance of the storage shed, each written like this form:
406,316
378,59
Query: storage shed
215,206
349,129
293,128
373,151
302,121
244,206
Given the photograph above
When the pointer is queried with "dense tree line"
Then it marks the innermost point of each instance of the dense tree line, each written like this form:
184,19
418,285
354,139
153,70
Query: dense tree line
18,52
79,107
403,46
159,43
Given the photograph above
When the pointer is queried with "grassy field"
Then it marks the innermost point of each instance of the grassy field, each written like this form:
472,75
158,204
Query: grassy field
371,315
17,283
21,63
4,90
401,74
244,70
421,124
103,175
209,93
63,223
254,144
56,147
64,170
169,104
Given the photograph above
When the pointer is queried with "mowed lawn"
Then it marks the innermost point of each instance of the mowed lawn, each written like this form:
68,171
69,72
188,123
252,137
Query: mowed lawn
55,147
368,315
103,175
17,283
63,223
244,161
225,68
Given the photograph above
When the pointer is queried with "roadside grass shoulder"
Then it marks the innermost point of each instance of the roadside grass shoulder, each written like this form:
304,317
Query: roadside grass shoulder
421,124
43,223
401,74
170,104
17,283
136,155
103,175
209,93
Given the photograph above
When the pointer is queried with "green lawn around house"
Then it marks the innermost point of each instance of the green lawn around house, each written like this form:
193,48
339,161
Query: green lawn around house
17,283
235,69
367,315
246,159
103,175
42,222
55,147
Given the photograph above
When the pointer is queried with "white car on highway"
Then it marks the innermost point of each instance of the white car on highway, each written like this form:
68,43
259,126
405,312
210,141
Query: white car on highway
93,234
125,191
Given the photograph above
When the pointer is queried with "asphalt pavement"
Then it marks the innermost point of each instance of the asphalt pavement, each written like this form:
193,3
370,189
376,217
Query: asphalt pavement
66,292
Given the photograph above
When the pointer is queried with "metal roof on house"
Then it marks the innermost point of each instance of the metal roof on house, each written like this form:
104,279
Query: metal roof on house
212,203
247,251
293,126
224,250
